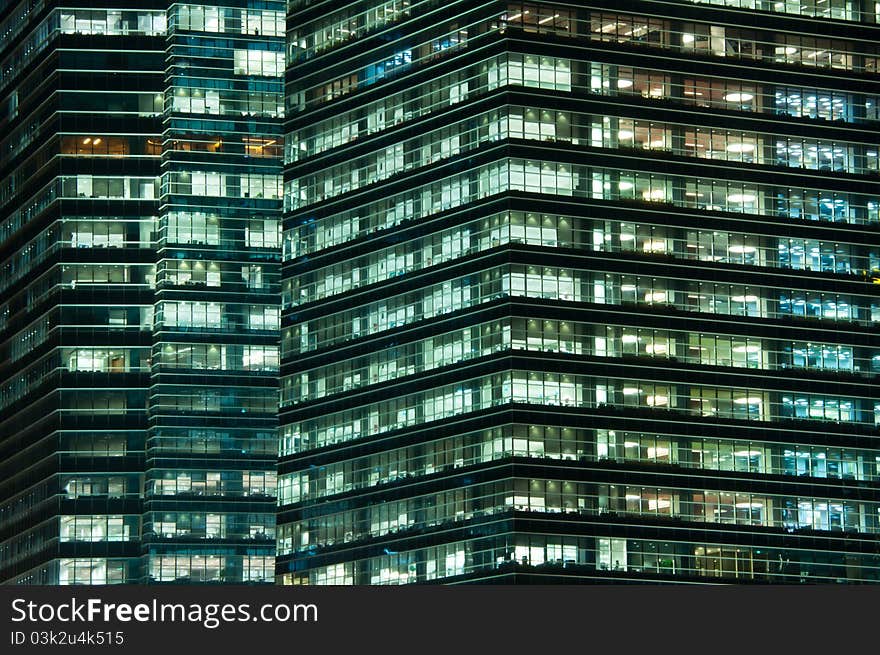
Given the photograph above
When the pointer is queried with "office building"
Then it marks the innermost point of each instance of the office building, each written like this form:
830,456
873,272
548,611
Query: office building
580,292
139,236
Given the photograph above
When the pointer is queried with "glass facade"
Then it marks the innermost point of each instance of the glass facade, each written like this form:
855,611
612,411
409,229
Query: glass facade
582,292
81,95
209,513
140,247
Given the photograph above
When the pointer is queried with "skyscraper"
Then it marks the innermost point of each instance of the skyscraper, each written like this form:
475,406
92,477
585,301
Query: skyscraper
580,292
139,312
211,447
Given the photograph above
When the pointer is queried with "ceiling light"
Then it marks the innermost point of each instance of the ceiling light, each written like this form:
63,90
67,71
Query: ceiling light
739,97
741,147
